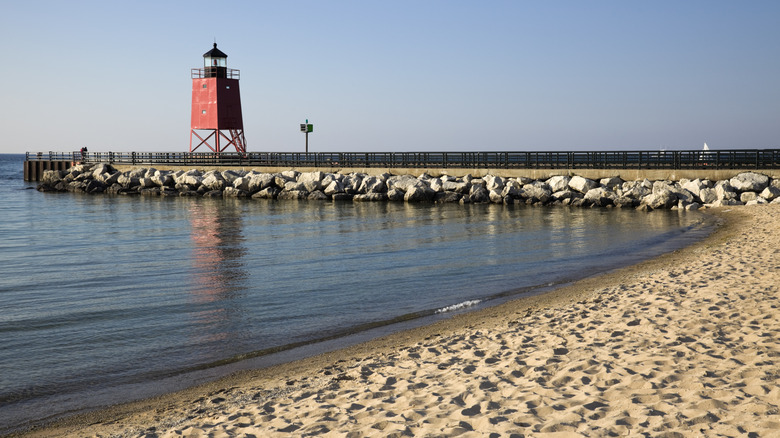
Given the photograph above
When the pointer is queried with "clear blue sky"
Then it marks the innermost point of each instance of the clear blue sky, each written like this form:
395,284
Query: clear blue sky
397,75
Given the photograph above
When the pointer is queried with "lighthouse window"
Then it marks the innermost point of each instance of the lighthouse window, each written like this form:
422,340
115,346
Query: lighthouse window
203,112
227,87
204,85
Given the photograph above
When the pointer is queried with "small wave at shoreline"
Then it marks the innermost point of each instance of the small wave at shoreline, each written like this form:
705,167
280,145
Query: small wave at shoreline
459,306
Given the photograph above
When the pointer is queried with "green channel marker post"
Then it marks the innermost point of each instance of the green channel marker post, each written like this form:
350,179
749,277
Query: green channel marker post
306,128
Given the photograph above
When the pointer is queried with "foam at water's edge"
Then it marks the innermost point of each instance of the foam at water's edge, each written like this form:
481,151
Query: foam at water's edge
459,306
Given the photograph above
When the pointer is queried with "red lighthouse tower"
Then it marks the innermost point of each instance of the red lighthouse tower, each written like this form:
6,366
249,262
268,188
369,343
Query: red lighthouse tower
216,105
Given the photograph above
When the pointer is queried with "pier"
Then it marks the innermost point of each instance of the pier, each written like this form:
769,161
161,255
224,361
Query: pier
713,164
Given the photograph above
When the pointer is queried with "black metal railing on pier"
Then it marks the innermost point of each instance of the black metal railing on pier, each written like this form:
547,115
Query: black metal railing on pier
720,159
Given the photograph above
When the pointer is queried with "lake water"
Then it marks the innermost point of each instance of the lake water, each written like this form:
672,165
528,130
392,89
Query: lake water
104,297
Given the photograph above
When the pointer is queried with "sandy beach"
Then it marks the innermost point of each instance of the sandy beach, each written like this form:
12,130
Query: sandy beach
687,344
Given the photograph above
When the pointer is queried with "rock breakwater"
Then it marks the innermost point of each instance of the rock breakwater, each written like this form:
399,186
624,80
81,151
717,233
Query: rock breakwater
743,189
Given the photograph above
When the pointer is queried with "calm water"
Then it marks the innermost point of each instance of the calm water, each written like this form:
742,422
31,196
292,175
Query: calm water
103,295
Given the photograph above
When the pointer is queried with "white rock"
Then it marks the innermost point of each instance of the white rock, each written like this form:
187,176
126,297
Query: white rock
458,187
558,183
599,193
611,182
493,183
333,188
213,181
770,193
708,195
749,181
52,176
230,175
290,174
311,180
373,184
496,197
581,184
724,191
100,169
694,186
242,183
537,193
660,198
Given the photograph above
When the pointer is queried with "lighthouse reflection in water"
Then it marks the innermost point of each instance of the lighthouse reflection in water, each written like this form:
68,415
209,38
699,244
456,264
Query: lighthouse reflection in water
218,275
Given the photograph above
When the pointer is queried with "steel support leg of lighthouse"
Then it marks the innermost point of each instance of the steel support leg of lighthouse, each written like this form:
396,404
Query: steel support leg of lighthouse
211,139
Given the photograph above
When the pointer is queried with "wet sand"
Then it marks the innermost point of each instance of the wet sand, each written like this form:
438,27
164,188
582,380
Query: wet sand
687,344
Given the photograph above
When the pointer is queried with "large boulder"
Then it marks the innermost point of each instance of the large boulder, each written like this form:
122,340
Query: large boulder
478,194
395,195
708,195
418,194
372,184
128,181
95,186
661,198
269,192
233,192
436,184
294,186
746,197
770,193
496,197
52,177
146,183
635,190
611,182
493,183
290,175
456,186
138,172
695,186
581,184
512,190
685,196
231,175
311,180
333,188
100,169
404,183
562,195
259,181
353,182
110,179
558,183
213,181
537,193
163,179
749,182
724,191
599,196
242,183
191,178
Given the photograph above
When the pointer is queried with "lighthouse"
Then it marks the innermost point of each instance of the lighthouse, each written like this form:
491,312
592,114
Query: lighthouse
216,106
